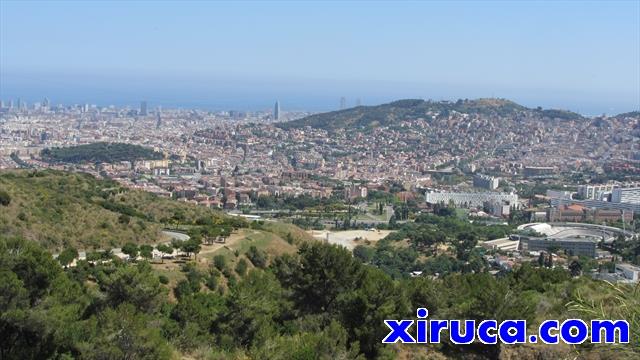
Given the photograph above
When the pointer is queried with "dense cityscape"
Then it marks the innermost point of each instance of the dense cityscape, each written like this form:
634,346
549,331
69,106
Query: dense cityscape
319,180
541,165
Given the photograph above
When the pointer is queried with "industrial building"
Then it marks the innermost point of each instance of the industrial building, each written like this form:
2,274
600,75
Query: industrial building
578,246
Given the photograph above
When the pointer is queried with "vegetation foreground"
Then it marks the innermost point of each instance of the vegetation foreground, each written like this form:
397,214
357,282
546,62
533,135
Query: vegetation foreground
268,292
318,303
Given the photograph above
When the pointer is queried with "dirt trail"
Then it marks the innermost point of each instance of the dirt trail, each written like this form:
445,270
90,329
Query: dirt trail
234,238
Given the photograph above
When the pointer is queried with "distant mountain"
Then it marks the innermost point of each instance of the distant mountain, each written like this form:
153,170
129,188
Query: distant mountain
632,114
388,114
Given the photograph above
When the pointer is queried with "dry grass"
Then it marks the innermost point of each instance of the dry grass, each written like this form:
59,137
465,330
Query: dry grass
613,301
60,209
283,229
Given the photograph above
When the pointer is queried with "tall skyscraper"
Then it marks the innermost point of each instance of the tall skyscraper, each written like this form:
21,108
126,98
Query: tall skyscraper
19,103
143,108
46,104
10,104
343,103
276,111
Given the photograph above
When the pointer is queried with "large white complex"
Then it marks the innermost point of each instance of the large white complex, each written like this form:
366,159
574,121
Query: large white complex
577,230
626,195
602,191
469,199
598,204
575,238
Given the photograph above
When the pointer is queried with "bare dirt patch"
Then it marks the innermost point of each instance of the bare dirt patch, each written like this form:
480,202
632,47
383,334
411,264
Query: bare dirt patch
350,238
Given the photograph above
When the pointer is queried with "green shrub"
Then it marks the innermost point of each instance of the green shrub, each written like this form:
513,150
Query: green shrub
258,257
5,198
241,267
220,262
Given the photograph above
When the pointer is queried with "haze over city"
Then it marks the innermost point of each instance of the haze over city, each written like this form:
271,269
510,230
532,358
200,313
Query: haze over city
580,56
319,180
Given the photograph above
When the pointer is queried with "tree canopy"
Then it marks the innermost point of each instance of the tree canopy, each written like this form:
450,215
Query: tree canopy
100,152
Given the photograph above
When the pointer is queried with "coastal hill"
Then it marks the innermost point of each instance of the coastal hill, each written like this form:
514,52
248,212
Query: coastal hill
631,114
363,117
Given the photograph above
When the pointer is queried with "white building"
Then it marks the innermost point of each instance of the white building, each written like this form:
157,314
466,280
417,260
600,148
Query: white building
598,204
486,182
475,200
626,195
504,244
559,194
624,273
630,272
602,191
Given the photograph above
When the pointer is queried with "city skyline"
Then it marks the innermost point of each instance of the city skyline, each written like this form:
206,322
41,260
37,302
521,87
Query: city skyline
142,106
580,56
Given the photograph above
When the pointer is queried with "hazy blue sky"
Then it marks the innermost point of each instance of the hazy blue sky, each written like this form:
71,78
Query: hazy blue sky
581,56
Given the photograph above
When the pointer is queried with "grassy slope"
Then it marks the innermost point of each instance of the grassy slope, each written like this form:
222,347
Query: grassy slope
58,209
265,240
282,229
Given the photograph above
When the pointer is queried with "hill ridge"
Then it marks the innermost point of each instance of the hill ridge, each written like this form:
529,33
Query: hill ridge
388,113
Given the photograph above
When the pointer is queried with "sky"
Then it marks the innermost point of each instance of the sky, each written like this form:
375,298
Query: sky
580,56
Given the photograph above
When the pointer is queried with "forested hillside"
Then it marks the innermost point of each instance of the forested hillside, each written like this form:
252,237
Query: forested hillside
100,152
320,303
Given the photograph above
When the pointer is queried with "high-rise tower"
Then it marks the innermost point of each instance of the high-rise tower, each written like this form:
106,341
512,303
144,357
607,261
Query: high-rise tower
276,111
